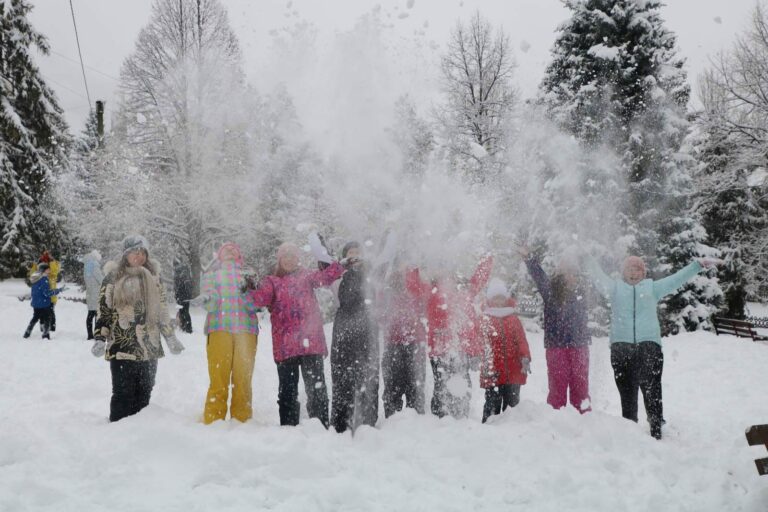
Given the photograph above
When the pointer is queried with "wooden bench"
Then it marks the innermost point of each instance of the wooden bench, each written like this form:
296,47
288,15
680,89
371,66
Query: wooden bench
740,328
757,435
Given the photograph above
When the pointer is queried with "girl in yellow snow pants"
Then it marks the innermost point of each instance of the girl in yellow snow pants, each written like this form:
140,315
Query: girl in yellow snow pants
232,328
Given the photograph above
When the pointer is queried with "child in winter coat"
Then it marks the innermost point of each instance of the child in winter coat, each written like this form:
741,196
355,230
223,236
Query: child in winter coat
41,300
635,336
507,362
232,329
403,365
132,317
448,351
354,350
566,334
298,342
93,276
53,276
182,291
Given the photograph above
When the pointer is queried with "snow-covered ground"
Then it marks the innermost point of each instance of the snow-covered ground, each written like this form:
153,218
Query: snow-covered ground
59,453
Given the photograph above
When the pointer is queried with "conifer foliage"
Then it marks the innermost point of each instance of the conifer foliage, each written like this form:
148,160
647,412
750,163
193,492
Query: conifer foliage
616,83
33,140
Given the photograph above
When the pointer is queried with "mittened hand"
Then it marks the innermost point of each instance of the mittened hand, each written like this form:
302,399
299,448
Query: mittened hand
710,262
174,345
249,284
349,262
99,348
526,364
199,300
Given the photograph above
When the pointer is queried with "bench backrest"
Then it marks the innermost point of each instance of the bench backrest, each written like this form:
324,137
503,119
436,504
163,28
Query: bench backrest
740,328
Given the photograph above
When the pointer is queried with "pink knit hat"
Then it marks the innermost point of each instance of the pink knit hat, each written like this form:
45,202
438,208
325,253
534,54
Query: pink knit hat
287,249
633,260
234,248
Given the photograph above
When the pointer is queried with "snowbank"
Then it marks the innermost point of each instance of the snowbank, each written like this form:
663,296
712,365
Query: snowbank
59,453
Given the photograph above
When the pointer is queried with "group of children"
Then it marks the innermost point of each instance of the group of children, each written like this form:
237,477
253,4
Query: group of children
443,320
42,279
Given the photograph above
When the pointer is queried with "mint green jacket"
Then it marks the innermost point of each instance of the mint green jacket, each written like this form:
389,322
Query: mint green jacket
634,315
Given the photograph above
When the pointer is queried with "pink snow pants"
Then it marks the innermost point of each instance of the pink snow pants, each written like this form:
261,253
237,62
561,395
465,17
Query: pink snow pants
568,367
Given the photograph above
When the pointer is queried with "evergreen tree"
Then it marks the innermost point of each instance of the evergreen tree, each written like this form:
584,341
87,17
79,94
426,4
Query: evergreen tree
616,82
33,140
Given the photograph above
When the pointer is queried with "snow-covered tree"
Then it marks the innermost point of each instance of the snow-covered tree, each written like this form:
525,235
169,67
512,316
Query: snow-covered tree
617,84
183,94
477,71
732,180
33,140
413,137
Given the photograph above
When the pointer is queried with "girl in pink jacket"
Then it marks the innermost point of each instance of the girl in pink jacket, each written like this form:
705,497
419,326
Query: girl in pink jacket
298,342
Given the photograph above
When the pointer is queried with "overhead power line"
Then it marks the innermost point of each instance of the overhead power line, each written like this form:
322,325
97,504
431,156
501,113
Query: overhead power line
67,57
82,66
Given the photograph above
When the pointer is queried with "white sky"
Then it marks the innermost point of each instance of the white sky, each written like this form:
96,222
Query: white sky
108,29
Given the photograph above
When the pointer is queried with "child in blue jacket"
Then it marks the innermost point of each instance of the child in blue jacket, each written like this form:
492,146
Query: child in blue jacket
635,335
41,300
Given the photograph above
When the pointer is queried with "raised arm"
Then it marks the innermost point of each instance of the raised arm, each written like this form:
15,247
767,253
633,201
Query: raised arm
601,280
671,283
414,284
326,276
540,278
263,295
480,278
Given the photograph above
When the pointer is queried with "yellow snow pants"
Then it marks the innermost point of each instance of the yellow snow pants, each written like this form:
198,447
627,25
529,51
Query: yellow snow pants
230,359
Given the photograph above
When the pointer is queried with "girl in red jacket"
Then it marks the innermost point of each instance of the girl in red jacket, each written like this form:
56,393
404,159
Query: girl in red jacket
450,339
507,362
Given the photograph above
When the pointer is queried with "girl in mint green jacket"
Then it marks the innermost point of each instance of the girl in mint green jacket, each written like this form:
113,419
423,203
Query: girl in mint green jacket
635,335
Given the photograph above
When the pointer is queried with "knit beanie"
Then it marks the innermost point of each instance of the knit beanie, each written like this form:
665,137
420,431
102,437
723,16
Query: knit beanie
134,242
497,287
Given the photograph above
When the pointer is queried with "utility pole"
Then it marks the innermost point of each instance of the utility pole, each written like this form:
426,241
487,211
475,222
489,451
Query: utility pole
100,121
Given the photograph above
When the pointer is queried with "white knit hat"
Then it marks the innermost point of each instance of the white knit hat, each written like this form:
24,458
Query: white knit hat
497,287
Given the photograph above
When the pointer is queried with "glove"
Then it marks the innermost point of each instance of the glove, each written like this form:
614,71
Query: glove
349,262
199,300
318,248
174,345
63,288
250,284
526,364
710,262
99,348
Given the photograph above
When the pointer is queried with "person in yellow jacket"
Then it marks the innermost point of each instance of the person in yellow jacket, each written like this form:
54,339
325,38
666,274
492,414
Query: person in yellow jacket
232,329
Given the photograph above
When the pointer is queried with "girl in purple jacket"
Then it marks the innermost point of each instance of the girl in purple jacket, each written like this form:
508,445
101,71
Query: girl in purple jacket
566,335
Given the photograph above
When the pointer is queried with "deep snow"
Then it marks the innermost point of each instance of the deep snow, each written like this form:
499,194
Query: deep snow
58,452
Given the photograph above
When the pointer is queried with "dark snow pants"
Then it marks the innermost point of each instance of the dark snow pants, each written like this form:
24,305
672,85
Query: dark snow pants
447,399
132,383
90,320
43,315
355,394
311,368
404,368
52,321
639,365
498,398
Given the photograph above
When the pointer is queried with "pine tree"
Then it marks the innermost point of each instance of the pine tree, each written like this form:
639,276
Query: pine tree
616,83
33,140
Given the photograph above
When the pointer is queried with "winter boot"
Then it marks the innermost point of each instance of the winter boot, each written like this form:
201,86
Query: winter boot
656,429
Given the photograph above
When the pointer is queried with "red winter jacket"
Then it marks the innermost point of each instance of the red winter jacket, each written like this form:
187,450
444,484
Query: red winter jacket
505,345
451,314
404,311
297,324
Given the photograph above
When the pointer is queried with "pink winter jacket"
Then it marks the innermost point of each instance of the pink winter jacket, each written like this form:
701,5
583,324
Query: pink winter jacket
297,324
